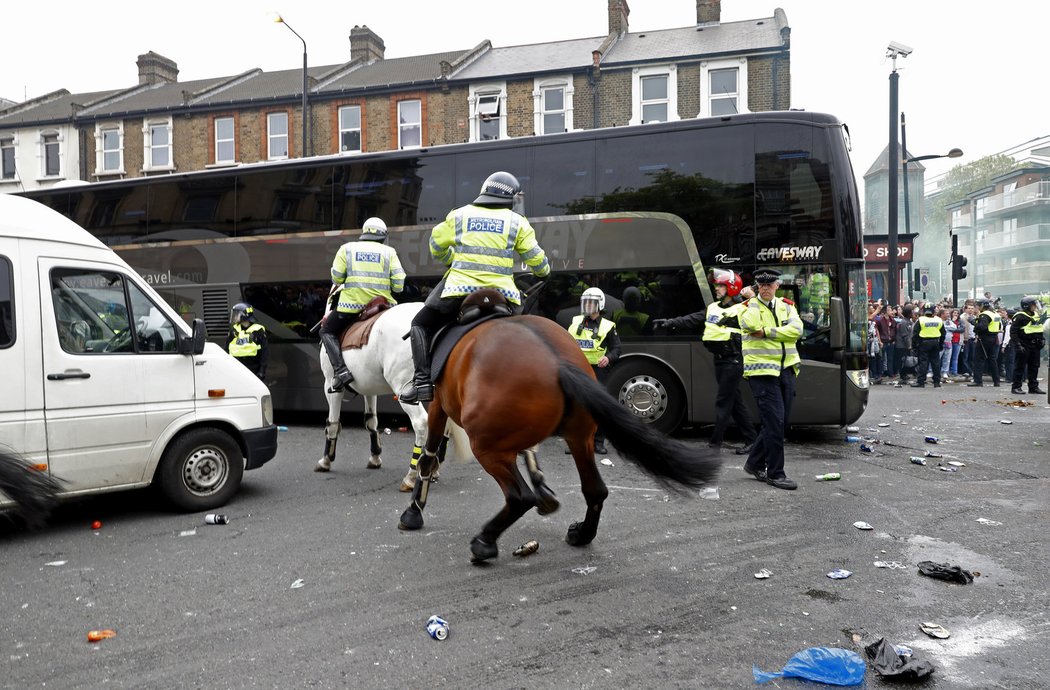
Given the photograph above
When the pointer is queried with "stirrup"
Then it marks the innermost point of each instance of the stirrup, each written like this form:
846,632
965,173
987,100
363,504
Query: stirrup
417,393
341,379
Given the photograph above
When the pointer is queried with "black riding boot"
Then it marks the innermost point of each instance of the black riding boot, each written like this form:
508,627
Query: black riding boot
335,355
422,388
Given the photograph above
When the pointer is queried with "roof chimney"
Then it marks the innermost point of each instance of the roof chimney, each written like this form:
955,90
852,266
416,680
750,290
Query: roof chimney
618,11
365,44
708,11
157,69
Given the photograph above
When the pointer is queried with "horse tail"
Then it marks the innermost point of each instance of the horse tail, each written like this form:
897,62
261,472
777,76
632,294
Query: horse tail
34,492
460,442
674,463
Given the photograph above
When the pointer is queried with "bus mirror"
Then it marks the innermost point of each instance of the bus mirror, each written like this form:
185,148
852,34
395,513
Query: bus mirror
194,345
838,324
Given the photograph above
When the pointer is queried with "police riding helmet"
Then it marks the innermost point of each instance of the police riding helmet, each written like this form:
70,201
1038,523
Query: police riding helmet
592,300
1029,302
242,311
499,189
984,304
927,308
374,230
733,283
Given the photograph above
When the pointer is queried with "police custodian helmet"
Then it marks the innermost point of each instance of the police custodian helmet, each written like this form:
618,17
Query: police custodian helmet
374,229
499,189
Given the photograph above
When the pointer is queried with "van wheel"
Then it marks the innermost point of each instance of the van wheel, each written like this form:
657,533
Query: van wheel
201,470
651,393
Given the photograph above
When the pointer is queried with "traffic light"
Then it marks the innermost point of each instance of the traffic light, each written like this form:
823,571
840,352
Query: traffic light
959,267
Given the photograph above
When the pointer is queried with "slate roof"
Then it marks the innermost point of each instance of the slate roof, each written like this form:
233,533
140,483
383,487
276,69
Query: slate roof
556,56
55,107
395,71
694,41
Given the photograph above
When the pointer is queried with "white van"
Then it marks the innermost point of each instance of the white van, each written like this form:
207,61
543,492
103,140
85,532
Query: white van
104,385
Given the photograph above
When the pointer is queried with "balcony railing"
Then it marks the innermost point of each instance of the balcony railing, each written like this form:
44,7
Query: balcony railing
1017,238
1034,272
961,221
1038,192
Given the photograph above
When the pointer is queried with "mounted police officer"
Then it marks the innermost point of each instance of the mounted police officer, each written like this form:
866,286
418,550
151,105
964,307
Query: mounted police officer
247,339
722,338
1026,333
479,243
598,339
770,328
361,271
986,354
928,340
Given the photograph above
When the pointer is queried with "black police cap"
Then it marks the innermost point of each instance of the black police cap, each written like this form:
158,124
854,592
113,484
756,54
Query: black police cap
767,275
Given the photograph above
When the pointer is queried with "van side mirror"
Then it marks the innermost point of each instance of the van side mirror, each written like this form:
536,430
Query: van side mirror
838,323
194,345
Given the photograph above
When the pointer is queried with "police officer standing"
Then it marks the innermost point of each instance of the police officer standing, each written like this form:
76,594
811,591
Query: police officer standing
478,242
722,338
598,339
928,340
1026,334
247,339
986,354
361,271
770,329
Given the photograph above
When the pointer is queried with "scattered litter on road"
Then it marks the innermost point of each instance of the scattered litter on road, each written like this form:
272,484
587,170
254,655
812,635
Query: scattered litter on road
934,630
945,571
216,519
866,448
862,525
892,565
437,627
889,662
282,428
931,439
852,429
1005,421
915,460
529,547
947,468
763,574
99,635
931,454
983,521
956,463
829,477
853,439
1016,403
297,584
829,665
97,524
584,570
387,431
884,424
188,532
55,564
839,574
607,462
709,493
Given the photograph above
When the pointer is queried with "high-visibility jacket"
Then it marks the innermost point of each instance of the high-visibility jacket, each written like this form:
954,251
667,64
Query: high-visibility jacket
630,322
1027,326
930,328
775,352
993,320
366,270
244,342
479,245
715,313
591,340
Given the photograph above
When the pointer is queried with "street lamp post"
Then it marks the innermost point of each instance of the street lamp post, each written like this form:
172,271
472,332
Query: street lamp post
306,117
893,278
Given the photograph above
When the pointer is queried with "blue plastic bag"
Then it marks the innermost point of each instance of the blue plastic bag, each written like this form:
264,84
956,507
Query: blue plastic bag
829,665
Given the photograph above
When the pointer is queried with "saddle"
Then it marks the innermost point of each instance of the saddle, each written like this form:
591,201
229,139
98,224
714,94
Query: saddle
356,334
481,306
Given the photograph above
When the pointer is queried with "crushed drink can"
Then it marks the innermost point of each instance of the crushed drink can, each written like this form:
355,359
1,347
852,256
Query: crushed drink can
216,519
865,447
931,454
531,546
853,439
932,439
437,627
839,574
916,460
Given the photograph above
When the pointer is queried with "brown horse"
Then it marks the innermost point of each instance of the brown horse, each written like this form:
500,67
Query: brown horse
511,383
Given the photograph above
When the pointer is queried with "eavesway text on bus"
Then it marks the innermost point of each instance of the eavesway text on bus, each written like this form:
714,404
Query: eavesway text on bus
809,253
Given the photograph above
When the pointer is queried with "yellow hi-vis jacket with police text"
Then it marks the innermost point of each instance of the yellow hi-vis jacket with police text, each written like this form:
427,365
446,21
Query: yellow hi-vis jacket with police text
930,327
366,270
993,320
590,341
243,344
769,355
715,313
479,245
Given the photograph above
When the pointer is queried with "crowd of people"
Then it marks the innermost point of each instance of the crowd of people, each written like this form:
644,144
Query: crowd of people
981,339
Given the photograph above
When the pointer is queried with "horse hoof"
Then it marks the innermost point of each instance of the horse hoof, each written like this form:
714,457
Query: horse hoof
411,519
577,536
546,503
321,468
481,550
409,482
375,464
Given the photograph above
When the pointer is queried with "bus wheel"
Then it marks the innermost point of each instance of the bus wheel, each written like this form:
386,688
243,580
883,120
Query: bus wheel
650,391
201,470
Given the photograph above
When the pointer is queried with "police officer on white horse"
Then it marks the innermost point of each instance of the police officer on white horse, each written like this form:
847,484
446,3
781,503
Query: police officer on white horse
480,243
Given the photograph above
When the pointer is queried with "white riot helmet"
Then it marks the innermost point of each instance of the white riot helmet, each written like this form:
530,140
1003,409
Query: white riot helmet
590,299
374,229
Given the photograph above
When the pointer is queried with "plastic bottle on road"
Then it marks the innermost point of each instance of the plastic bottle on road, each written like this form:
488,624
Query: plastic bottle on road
853,439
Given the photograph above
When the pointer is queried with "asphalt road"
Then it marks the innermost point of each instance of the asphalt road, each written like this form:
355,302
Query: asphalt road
665,596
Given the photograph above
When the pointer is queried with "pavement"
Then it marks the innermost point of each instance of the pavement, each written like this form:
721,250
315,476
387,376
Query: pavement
665,597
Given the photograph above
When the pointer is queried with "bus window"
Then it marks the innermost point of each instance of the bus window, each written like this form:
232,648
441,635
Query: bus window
561,171
473,168
288,310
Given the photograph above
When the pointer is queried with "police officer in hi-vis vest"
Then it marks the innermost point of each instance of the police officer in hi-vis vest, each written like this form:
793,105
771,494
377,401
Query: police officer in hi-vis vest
770,328
361,271
480,243
1026,332
986,353
928,340
722,338
600,342
247,339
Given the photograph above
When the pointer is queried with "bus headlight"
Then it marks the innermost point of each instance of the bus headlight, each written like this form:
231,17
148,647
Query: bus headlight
859,377
267,409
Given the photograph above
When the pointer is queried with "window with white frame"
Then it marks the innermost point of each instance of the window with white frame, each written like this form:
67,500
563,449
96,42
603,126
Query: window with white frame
488,106
50,153
553,105
723,87
350,129
109,148
409,124
276,136
655,94
157,144
225,141
7,158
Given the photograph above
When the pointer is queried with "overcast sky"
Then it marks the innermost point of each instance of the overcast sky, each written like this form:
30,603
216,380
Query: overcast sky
974,80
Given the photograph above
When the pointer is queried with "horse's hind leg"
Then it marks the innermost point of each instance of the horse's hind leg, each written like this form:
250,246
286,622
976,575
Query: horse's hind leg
333,427
412,518
520,499
546,503
592,486
372,424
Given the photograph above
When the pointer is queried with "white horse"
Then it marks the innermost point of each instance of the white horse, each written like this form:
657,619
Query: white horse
382,367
